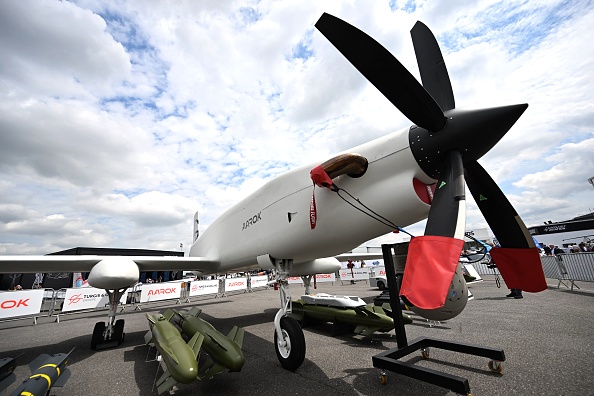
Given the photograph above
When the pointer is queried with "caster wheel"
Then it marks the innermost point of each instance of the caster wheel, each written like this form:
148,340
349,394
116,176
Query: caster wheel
425,353
496,366
383,378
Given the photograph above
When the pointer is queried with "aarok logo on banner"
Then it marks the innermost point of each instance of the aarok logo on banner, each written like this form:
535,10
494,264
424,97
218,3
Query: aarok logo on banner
8,304
160,292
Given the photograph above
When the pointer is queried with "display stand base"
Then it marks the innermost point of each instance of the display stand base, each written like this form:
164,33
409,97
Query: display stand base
389,360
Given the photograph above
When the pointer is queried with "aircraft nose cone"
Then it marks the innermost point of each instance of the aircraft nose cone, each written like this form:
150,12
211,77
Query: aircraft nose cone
472,132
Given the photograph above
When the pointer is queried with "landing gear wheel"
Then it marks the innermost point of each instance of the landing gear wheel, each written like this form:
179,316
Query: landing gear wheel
118,331
97,337
496,366
290,346
425,352
383,377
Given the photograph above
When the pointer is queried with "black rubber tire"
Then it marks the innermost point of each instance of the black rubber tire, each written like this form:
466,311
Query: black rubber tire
97,337
294,357
118,331
381,285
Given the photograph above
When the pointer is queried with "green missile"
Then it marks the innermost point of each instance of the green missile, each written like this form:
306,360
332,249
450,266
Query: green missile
46,371
366,319
179,358
224,352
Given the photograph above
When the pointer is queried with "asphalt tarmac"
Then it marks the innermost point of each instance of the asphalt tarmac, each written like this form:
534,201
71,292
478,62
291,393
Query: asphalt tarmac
547,338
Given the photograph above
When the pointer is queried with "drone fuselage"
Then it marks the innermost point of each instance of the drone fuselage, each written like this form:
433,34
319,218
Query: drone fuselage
275,220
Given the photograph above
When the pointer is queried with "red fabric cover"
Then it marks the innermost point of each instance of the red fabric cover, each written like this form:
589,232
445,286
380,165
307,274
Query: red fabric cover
520,268
430,267
313,211
320,177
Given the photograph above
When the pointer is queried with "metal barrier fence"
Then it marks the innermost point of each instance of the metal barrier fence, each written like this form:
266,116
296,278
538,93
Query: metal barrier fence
577,266
566,268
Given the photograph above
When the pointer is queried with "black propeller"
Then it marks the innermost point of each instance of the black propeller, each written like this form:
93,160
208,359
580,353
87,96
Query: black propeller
434,73
503,219
447,142
384,71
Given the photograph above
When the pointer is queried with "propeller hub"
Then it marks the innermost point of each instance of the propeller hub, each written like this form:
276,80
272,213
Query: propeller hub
471,132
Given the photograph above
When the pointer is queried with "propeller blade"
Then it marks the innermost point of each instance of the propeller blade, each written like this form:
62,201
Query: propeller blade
447,216
384,71
434,73
433,258
508,227
518,259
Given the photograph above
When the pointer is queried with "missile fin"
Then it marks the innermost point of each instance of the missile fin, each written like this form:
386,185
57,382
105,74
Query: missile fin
7,381
165,383
196,343
38,362
169,314
194,311
213,370
208,364
148,337
369,331
359,329
63,378
236,334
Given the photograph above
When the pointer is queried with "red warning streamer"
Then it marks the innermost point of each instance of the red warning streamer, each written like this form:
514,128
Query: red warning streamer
430,267
320,178
520,268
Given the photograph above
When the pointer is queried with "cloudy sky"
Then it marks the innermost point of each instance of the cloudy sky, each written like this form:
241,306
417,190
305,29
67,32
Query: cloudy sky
119,120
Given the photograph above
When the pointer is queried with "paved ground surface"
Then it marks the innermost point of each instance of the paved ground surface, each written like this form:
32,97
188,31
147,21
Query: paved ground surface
548,341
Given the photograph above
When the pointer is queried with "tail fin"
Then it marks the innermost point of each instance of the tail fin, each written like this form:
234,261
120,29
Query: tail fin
194,311
165,382
169,314
196,343
211,368
236,334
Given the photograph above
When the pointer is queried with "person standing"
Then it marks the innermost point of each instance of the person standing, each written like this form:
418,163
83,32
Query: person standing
350,266
547,250
515,293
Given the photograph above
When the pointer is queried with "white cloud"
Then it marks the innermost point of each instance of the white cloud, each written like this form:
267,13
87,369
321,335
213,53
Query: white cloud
152,111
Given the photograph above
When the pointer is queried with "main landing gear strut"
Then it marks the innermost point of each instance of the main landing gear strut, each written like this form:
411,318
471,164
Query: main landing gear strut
289,341
110,334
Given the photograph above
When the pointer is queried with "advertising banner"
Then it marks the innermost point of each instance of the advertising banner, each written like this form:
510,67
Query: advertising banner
200,288
377,272
20,303
355,274
320,278
87,298
258,281
160,291
232,284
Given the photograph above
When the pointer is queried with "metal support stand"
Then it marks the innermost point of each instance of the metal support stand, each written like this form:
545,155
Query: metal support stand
389,360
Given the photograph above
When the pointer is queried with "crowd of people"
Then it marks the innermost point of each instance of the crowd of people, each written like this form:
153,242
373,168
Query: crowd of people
554,250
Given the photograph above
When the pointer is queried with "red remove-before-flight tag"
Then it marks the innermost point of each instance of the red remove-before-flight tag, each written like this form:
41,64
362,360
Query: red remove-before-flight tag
313,212
430,267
